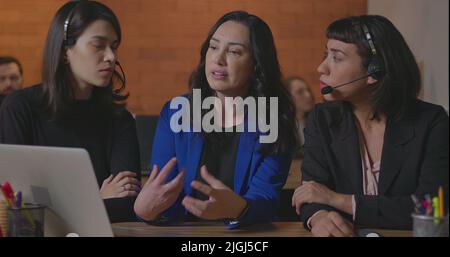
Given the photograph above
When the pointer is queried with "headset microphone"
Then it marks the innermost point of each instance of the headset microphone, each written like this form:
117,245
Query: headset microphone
328,89
116,92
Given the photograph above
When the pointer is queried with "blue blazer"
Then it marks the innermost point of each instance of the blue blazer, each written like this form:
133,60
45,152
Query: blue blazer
258,178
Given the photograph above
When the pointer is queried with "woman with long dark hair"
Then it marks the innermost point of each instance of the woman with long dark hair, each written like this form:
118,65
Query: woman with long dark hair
303,100
78,104
373,144
215,175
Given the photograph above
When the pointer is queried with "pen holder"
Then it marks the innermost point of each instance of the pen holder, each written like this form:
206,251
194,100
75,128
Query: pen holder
428,226
27,221
3,217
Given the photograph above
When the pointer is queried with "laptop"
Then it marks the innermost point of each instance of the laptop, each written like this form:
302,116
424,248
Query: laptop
63,179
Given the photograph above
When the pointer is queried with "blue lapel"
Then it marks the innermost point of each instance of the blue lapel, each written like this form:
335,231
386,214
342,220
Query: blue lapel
195,144
194,152
244,156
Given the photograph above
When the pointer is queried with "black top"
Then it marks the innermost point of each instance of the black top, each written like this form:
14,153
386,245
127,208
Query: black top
414,160
1,99
110,139
219,156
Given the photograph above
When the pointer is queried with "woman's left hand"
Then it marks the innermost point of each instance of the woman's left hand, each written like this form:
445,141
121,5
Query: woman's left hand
311,192
124,184
222,203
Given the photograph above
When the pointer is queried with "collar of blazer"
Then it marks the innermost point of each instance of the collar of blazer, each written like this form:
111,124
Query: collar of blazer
340,120
397,132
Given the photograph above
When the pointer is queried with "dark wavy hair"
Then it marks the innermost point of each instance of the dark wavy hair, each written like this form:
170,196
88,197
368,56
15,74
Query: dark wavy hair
398,89
265,82
57,76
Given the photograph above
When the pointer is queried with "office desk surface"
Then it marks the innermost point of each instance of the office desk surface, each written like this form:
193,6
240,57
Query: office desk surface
293,179
217,229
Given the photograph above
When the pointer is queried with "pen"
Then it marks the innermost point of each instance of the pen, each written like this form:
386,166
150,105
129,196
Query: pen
24,210
4,195
20,205
19,199
441,201
436,209
429,209
8,193
415,201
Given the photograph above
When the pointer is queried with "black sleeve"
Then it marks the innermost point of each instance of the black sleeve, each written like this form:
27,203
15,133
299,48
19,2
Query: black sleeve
124,157
395,212
15,120
120,209
125,148
314,167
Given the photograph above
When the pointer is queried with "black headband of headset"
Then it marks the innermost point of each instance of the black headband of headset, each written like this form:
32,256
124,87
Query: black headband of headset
369,38
69,41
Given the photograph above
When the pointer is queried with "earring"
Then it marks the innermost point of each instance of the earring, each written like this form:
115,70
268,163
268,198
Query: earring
65,59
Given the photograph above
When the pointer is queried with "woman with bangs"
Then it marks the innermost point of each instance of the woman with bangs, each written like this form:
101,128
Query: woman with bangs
373,144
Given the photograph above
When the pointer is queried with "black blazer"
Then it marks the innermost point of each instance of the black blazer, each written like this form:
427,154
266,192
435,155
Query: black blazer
414,161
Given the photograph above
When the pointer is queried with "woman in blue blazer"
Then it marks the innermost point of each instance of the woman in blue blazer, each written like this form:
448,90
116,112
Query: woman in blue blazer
231,176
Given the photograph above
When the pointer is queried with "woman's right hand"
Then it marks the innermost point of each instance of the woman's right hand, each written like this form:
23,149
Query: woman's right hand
156,196
330,224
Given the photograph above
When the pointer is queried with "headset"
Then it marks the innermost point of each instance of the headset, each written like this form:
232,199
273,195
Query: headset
375,67
69,41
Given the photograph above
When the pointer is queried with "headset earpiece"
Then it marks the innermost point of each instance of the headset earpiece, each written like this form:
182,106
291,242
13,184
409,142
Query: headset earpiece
375,67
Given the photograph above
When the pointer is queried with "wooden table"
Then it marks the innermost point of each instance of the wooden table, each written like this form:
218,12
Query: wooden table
293,180
218,229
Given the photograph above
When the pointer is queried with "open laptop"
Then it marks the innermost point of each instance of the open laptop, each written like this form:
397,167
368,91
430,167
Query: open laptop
61,178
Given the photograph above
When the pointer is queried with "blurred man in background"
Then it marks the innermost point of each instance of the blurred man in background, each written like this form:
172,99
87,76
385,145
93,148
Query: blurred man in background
11,76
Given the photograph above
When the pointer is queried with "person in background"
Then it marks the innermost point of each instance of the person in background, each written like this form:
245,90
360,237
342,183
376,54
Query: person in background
373,144
78,104
11,76
303,100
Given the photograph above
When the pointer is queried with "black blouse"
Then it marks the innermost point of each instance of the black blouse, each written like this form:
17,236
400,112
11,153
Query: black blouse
1,99
219,156
110,139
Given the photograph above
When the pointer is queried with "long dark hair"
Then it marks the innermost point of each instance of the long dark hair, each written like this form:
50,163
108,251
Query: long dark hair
291,79
57,76
266,80
398,88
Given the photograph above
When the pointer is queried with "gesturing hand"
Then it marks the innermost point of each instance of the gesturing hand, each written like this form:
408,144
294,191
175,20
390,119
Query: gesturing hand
156,196
222,203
